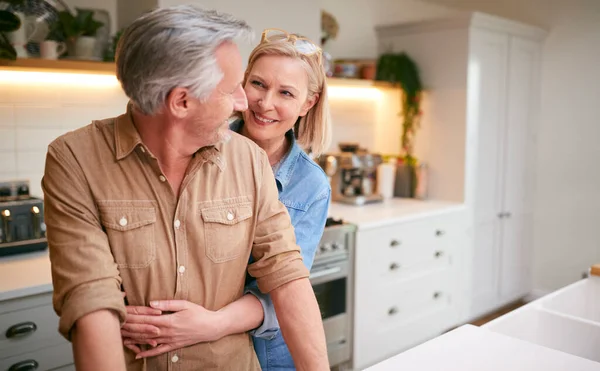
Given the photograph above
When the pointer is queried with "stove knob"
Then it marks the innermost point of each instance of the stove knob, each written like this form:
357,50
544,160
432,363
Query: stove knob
335,246
325,248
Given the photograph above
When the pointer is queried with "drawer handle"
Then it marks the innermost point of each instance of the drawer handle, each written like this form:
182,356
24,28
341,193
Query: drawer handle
438,254
437,294
395,243
394,266
392,311
439,233
28,365
21,329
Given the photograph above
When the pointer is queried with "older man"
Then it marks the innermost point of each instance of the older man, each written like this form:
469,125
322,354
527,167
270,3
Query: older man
164,202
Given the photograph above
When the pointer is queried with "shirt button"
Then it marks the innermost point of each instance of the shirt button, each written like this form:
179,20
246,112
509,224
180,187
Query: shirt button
181,269
177,224
174,359
229,216
123,222
162,178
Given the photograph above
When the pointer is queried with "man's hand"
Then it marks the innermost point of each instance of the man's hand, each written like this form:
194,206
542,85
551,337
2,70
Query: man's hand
190,324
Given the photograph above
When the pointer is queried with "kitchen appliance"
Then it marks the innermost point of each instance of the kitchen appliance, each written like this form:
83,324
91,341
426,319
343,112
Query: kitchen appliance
22,227
353,175
332,281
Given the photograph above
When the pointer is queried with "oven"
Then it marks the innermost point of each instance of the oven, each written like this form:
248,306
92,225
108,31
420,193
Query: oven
332,282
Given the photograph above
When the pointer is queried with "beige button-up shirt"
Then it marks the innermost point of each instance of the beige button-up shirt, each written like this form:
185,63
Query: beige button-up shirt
113,223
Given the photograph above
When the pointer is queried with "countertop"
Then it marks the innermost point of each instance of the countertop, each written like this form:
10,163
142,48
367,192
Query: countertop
471,348
390,211
24,275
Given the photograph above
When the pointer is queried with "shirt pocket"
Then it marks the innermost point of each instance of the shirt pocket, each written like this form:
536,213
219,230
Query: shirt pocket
131,232
227,230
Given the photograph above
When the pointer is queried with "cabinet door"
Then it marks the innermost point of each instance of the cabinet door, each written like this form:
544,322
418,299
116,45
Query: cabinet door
522,111
518,174
516,257
487,112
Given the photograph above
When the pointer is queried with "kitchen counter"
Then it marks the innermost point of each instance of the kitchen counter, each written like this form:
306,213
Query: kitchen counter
390,211
471,348
24,275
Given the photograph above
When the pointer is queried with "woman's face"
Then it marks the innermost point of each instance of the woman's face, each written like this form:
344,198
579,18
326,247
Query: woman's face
277,91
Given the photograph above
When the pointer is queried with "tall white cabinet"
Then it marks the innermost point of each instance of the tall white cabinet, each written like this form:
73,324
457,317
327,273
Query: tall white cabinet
478,135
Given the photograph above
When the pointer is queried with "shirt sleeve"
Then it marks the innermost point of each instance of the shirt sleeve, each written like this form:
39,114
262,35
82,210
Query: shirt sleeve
84,274
308,230
277,258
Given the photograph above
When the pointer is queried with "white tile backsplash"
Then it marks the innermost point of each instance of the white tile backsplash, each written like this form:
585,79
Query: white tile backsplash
32,94
8,138
33,114
8,164
38,117
7,117
31,162
30,139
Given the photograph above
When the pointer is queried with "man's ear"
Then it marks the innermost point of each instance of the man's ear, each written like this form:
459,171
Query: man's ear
178,102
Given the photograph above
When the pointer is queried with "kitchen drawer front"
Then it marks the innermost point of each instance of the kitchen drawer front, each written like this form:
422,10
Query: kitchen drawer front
410,247
47,358
31,327
374,345
390,305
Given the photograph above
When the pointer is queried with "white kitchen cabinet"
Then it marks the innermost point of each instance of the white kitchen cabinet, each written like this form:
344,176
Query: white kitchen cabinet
29,335
407,284
481,107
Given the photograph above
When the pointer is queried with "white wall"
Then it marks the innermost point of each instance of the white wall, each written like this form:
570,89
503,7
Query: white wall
358,18
567,197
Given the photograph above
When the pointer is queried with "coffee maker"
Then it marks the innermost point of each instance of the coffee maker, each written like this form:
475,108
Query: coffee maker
22,227
352,174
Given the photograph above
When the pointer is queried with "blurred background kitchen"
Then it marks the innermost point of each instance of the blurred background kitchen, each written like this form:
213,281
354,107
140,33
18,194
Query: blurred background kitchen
463,163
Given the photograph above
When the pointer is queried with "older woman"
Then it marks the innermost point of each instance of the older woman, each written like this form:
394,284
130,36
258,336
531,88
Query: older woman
287,116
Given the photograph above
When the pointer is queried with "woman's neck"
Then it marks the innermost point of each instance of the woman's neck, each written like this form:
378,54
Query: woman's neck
276,148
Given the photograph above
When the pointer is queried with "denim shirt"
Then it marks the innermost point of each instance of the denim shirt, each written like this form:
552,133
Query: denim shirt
305,191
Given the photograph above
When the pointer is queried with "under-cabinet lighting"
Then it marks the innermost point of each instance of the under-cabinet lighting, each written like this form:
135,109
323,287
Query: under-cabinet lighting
349,92
61,78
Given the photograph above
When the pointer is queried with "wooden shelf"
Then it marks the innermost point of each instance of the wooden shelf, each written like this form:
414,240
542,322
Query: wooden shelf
62,65
360,83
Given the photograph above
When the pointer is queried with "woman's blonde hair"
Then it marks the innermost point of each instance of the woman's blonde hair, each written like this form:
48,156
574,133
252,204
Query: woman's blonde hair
312,131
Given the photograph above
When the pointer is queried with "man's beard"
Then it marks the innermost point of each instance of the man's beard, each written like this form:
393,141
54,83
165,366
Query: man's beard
223,133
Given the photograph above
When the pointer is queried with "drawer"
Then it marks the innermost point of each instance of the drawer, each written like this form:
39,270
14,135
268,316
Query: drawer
46,359
394,304
24,329
374,345
403,249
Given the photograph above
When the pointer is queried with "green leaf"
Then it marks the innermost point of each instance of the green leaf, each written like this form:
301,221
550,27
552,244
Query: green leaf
7,51
8,21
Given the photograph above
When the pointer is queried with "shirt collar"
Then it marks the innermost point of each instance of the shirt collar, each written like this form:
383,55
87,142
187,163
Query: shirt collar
286,168
127,138
126,135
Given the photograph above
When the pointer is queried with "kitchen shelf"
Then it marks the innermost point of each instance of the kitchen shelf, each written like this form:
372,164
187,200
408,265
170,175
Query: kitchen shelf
360,83
108,68
61,65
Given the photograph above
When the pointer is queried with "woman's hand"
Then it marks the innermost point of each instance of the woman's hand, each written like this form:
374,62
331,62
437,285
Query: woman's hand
189,324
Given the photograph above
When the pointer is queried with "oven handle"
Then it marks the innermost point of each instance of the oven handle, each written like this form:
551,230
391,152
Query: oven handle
325,272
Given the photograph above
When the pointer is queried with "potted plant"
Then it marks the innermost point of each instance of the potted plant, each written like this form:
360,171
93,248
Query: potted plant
9,22
79,32
399,68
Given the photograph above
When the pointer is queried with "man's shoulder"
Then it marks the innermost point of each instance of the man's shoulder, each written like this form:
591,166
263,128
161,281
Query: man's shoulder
85,135
240,146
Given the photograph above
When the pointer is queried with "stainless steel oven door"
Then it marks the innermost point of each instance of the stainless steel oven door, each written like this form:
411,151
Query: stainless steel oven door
330,284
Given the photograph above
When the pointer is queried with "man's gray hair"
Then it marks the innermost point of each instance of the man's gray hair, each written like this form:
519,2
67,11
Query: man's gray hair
174,47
